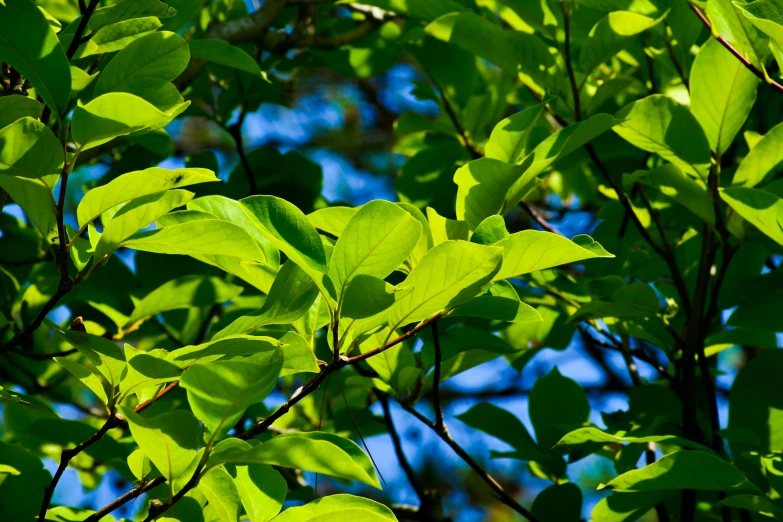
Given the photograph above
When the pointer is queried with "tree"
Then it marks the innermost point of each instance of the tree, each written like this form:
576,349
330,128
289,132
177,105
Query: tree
172,307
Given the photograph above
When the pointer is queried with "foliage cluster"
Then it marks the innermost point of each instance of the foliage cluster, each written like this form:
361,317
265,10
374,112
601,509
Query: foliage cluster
654,115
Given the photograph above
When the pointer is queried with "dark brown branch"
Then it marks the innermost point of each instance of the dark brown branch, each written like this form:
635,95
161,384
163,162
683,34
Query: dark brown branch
439,422
65,459
677,64
443,433
77,36
569,63
127,497
418,488
67,454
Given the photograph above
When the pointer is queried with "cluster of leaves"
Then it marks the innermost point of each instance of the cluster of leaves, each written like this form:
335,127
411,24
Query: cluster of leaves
631,111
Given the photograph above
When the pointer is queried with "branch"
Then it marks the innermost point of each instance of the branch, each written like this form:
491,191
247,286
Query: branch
677,64
569,63
77,36
235,131
65,459
127,497
738,55
443,433
397,443
67,455
439,422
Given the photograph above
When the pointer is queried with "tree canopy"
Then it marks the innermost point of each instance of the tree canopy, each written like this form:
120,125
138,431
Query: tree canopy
189,307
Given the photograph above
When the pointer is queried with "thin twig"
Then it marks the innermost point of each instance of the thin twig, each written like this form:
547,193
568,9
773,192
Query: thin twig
502,494
538,218
668,257
464,138
439,422
397,443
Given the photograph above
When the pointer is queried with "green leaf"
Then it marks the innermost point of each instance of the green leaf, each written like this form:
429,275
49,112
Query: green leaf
286,227
448,275
483,184
116,37
14,108
755,503
107,357
117,114
80,80
444,229
498,308
234,347
762,161
223,500
135,215
27,487
628,507
148,62
313,451
688,192
425,11
35,198
332,220
531,250
762,209
220,392
184,292
490,231
146,369
123,10
612,34
658,124
231,211
684,470
556,147
587,435
291,295
338,508
135,185
753,405
223,53
85,376
204,237
503,425
509,140
29,45
30,150
556,403
378,238
170,440
559,503
728,21
723,92
262,490
464,29
634,300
